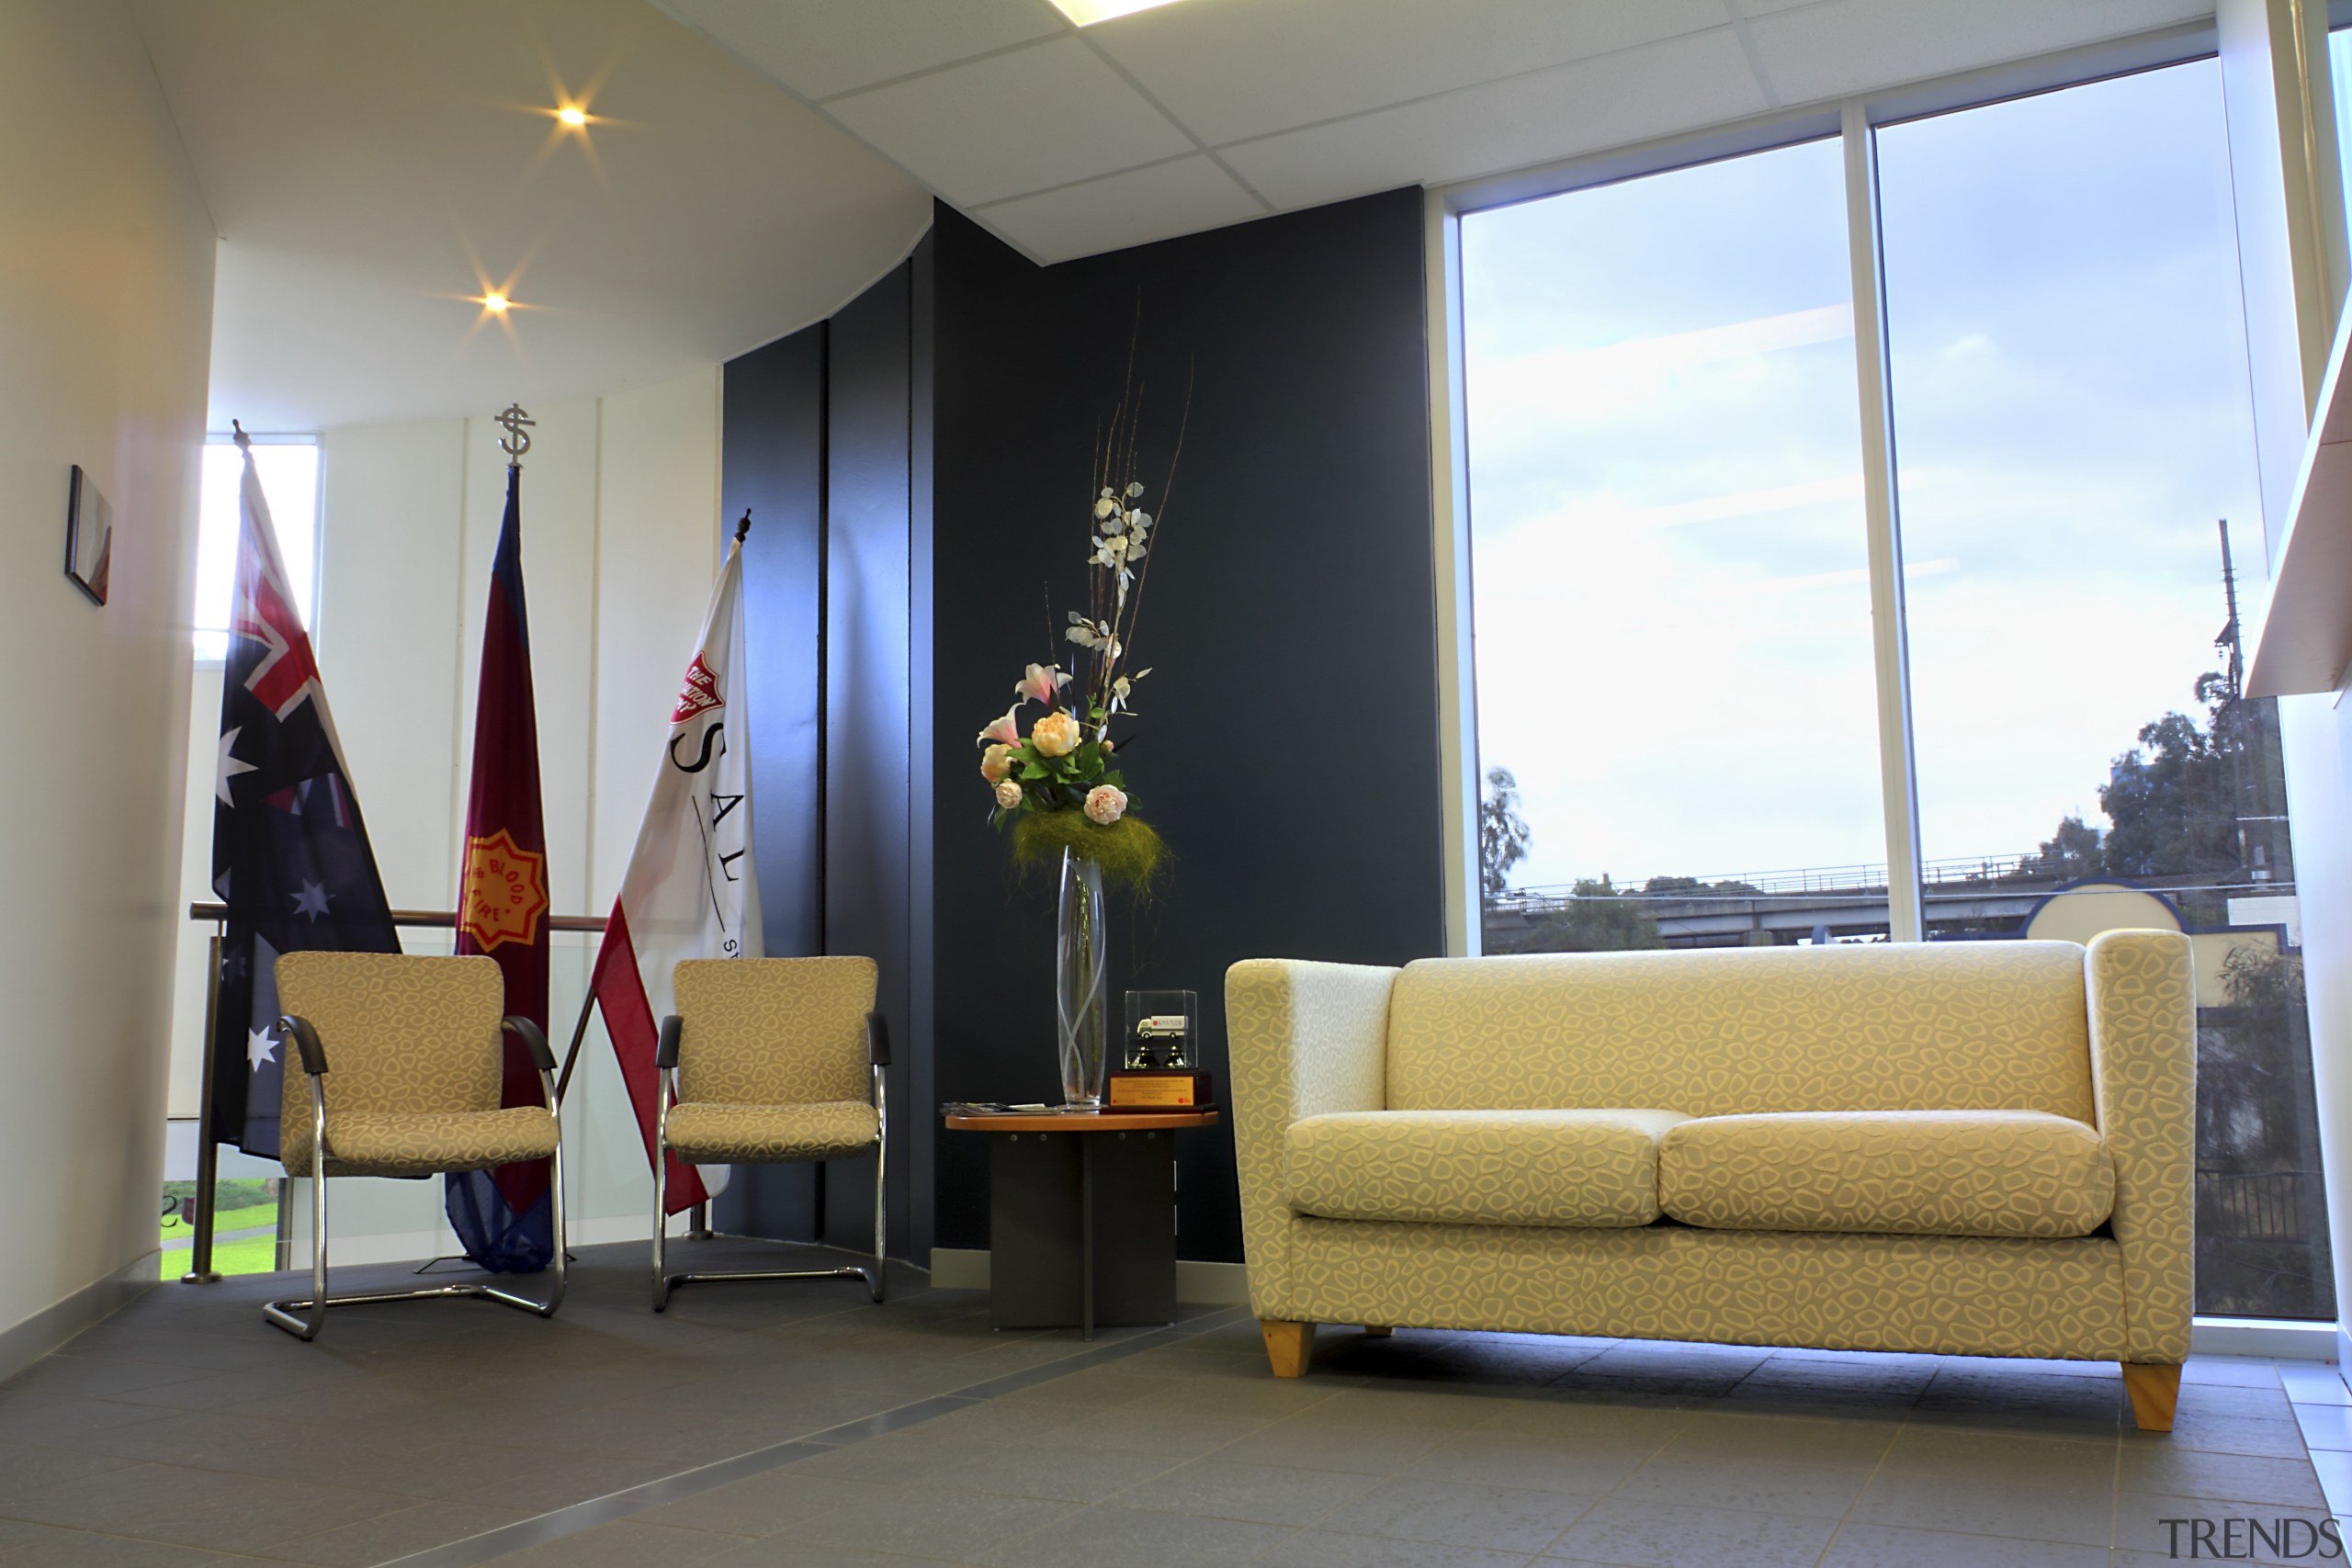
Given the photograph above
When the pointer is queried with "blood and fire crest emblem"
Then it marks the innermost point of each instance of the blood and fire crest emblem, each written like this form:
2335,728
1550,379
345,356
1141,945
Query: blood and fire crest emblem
699,694
503,891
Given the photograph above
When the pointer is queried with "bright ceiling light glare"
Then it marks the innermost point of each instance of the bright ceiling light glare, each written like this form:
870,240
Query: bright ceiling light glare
1086,13
574,116
494,303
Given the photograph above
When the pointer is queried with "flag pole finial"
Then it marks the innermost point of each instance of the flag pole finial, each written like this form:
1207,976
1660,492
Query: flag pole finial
517,439
745,526
245,441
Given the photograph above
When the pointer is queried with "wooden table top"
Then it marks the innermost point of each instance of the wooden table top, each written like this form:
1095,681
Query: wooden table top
1081,1120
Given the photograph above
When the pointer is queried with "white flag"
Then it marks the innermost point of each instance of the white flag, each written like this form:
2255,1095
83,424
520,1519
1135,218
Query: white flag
691,891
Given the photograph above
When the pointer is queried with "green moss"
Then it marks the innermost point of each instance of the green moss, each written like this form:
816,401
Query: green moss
1129,850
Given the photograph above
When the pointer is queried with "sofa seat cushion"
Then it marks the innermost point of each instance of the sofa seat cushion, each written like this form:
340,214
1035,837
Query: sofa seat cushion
1481,1167
1975,1173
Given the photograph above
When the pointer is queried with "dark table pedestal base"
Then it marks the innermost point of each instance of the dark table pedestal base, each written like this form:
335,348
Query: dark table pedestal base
1082,1229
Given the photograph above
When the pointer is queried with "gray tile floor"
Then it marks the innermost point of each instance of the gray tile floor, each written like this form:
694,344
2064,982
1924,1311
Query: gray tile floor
795,1425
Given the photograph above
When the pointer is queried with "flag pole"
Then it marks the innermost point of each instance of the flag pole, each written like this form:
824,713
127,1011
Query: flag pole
579,1030
698,1217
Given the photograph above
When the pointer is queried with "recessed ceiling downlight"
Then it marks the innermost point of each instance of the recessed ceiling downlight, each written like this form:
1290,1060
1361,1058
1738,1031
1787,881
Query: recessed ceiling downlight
1086,13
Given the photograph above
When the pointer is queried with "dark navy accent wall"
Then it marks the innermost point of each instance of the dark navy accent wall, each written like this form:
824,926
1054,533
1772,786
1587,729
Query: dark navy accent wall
1287,746
874,890
773,433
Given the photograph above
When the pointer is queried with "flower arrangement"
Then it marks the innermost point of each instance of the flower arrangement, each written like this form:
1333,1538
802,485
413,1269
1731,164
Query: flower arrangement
1060,787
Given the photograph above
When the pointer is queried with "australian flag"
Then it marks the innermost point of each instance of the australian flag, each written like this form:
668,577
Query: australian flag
502,1216
290,852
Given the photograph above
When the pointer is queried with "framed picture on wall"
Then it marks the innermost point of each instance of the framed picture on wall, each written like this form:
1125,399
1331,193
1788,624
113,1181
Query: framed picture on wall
89,537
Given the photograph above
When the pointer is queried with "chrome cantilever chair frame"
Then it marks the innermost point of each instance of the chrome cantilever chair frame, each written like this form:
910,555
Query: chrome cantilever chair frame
314,1309
875,1274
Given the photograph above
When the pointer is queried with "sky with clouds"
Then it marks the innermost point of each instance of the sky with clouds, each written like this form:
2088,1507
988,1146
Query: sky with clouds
1672,605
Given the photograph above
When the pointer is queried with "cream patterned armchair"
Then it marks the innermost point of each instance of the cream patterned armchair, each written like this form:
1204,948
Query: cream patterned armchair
417,1057
1976,1149
772,1061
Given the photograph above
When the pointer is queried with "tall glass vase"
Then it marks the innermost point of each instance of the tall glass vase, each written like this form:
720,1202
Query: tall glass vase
1079,989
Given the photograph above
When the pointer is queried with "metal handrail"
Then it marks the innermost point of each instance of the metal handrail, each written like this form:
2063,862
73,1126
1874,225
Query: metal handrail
595,923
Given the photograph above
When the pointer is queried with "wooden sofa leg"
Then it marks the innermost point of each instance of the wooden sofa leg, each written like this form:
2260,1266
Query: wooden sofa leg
2156,1394
1288,1345
1377,1331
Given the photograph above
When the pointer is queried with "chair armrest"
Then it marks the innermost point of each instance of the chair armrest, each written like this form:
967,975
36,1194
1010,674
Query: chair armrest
1301,1040
877,1040
665,1054
2142,990
534,1041
306,1043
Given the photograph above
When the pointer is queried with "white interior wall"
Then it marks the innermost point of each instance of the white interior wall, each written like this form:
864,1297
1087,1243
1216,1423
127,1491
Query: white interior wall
105,307
619,507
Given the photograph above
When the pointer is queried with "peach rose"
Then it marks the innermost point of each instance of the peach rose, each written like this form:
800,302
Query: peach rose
996,763
1105,804
1056,734
1008,793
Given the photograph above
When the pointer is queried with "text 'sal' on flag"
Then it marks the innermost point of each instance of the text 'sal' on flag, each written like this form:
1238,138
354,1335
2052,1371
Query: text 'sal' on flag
690,891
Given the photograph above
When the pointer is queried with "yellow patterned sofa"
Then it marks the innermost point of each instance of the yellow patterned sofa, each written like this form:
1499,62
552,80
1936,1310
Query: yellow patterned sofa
1976,1149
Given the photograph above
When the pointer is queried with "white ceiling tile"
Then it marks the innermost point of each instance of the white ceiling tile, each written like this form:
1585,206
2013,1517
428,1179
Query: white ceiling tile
1047,114
819,48
1666,87
1132,208
1230,68
1837,47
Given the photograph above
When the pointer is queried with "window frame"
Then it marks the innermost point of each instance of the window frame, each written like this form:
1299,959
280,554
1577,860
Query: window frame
1855,121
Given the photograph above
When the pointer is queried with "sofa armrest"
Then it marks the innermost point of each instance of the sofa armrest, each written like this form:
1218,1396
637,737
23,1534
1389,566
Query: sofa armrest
1301,1040
2142,990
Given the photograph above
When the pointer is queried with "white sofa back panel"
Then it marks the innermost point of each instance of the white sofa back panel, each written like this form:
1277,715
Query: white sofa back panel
1935,1026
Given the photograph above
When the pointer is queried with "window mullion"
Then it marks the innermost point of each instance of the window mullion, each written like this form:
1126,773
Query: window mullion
1898,772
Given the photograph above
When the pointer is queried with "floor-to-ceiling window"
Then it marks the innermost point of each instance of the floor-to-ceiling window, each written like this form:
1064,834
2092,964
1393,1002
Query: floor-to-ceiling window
1674,660
1672,598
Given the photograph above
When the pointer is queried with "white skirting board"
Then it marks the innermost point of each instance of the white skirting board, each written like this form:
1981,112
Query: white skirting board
1213,1284
2272,1338
45,1330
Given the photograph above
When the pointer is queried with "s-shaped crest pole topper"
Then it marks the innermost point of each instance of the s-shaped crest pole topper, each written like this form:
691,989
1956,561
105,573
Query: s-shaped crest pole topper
517,439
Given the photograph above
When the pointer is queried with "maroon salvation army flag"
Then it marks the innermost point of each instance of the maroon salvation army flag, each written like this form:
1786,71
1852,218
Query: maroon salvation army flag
503,1216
